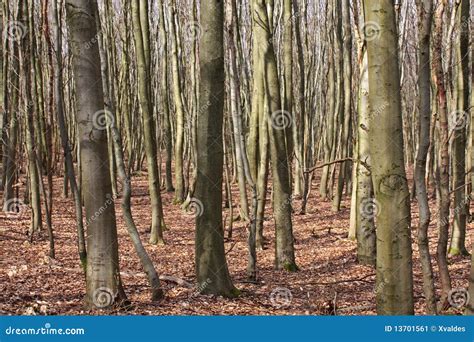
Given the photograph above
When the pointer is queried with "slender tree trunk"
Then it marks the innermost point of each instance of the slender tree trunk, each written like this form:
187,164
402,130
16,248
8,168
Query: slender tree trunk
443,156
66,145
425,9
26,61
366,207
142,50
165,100
179,107
347,102
11,140
277,122
458,240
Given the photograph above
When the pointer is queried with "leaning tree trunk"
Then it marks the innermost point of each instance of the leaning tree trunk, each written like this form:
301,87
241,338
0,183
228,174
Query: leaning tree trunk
394,254
425,9
104,287
211,265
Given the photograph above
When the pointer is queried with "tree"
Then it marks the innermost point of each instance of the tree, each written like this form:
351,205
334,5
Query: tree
180,114
104,287
165,100
443,154
461,118
211,265
142,51
278,122
365,207
65,143
25,60
425,8
394,254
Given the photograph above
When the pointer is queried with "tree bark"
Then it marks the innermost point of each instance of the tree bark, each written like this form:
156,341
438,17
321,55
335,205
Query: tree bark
277,122
425,12
211,265
443,154
104,287
394,254
142,50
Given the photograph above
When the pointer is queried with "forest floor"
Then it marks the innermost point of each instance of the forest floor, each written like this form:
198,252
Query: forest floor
31,283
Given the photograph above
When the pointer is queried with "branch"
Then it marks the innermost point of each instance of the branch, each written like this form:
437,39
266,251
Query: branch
363,163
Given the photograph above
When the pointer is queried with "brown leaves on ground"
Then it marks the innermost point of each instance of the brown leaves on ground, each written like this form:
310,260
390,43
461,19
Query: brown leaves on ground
330,280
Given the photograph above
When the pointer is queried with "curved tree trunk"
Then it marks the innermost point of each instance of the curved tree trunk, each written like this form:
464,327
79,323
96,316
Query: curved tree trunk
425,9
443,156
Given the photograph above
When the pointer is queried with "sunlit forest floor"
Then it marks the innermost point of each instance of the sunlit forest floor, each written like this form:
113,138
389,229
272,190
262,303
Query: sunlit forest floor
330,281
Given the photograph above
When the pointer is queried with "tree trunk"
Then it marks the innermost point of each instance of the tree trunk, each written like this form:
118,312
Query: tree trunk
278,122
66,145
34,187
461,117
104,287
394,254
425,9
141,37
366,207
165,100
443,155
211,265
179,107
